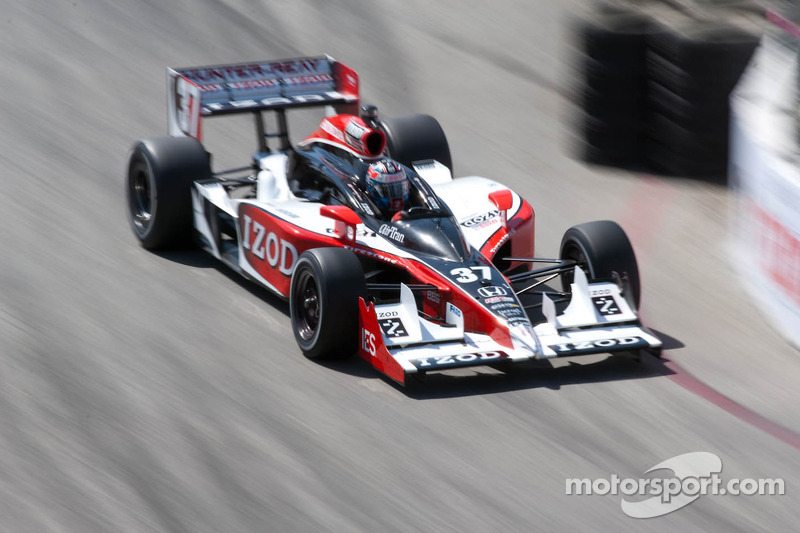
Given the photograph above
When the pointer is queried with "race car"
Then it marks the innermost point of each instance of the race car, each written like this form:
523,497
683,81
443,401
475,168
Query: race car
449,280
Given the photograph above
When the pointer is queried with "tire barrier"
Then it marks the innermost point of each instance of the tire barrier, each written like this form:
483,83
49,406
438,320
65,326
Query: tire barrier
654,82
612,86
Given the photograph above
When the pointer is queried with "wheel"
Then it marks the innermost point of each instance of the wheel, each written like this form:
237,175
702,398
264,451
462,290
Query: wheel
601,248
323,302
158,189
415,138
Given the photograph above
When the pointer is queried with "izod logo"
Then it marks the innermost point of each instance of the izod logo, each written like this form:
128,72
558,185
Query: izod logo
276,252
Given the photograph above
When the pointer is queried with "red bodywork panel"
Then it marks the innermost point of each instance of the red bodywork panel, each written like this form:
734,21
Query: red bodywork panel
351,134
520,229
272,245
370,344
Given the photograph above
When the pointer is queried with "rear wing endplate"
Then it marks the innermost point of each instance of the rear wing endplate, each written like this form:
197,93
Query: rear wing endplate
193,93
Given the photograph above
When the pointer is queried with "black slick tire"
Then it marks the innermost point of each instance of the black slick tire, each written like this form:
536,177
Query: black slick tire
601,248
158,189
323,302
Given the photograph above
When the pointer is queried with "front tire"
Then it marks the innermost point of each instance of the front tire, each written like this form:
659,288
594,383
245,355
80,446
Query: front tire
323,302
158,189
600,249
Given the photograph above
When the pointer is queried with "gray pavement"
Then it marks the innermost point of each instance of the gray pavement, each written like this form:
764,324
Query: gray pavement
144,392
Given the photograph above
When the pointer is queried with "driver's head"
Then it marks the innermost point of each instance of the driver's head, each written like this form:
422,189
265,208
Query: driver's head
387,185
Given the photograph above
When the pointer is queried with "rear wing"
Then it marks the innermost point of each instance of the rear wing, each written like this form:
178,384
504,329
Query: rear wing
193,93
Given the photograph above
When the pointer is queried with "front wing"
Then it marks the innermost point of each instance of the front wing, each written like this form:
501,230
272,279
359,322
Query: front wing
398,342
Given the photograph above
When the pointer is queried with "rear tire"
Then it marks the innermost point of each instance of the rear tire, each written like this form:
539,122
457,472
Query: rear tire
323,302
158,189
416,138
601,248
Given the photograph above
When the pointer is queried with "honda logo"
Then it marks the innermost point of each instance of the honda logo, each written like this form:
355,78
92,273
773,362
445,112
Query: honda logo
488,292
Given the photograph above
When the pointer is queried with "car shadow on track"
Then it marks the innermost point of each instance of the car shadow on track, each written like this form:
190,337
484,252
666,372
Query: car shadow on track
476,380
199,259
192,257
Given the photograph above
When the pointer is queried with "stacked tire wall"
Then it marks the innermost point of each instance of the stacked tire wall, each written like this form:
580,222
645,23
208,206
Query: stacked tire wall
654,80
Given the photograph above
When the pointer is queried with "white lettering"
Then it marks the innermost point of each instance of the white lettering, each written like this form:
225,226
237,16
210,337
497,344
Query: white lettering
391,232
260,231
288,258
368,342
273,249
246,232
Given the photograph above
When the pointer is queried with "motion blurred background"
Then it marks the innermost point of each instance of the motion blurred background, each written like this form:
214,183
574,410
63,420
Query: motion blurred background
144,392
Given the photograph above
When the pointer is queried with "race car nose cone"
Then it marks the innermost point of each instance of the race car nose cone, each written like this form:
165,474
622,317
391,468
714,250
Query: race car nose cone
523,334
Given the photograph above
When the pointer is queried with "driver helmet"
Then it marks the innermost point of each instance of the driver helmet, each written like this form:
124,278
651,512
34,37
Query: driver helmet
387,185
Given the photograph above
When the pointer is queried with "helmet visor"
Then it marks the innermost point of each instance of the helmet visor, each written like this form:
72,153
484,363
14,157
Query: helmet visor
394,189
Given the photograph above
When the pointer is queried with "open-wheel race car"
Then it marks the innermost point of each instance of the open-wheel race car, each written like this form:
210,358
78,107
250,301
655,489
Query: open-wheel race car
363,229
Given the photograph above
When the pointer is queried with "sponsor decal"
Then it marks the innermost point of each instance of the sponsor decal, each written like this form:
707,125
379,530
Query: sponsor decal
453,309
599,292
465,359
247,71
500,243
243,85
331,130
600,346
186,101
432,296
492,290
327,96
285,212
503,305
606,305
367,209
354,132
371,253
368,341
267,247
360,233
391,232
498,299
255,85
393,327
482,220
511,312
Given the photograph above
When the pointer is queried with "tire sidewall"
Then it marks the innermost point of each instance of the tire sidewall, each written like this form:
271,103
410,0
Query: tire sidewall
311,265
340,281
141,162
170,165
606,249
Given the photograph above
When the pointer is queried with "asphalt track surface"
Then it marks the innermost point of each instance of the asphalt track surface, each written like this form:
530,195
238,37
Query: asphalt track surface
144,392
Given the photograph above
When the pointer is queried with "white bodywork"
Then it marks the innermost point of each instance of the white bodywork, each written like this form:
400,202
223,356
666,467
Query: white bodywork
581,329
466,197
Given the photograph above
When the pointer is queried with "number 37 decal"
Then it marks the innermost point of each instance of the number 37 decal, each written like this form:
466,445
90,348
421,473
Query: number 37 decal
468,275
